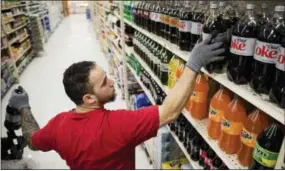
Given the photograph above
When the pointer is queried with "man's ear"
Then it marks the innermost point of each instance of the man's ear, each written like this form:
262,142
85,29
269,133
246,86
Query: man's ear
89,99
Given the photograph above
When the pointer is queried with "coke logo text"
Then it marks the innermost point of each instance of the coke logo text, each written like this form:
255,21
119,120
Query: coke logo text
281,59
238,44
269,51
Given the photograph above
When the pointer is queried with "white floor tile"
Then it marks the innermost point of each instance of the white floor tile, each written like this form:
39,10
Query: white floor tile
73,41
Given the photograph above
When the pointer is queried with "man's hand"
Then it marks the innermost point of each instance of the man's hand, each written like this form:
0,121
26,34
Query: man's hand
204,53
19,100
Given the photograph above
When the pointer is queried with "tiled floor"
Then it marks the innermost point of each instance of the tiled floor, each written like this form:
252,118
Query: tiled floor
74,40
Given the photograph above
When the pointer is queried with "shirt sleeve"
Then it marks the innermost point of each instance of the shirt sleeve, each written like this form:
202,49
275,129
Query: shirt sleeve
43,139
139,125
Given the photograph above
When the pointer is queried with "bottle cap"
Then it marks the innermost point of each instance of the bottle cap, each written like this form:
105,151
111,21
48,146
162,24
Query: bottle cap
279,8
249,6
213,5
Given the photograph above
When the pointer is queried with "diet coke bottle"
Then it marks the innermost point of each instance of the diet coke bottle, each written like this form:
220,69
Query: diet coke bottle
266,52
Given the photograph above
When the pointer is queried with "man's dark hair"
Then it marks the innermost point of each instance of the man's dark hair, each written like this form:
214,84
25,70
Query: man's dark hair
76,80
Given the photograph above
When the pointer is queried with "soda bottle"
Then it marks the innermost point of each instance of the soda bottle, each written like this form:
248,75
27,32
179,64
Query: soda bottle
186,15
140,13
277,91
218,106
152,17
266,53
216,164
202,154
181,130
267,148
162,18
158,18
195,148
214,23
210,156
242,48
147,16
187,129
191,137
172,71
256,122
173,23
167,13
159,53
166,56
232,124
197,23
198,101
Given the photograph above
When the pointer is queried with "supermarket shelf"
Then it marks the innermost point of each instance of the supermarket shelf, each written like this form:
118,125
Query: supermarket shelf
9,21
25,63
170,46
15,6
147,92
201,126
245,91
260,101
15,15
194,164
20,56
18,40
18,28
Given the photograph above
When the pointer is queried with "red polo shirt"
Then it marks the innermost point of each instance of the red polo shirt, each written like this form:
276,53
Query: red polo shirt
100,139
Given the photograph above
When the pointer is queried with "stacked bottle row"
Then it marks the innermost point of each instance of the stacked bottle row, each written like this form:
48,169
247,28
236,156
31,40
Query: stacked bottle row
254,42
154,55
236,131
197,148
156,92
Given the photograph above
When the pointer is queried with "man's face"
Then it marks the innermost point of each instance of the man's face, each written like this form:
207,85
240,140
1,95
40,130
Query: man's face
103,87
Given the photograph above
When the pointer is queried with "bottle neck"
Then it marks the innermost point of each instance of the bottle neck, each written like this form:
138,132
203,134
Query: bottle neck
250,13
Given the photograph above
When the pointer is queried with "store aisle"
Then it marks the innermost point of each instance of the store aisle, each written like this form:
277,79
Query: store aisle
73,41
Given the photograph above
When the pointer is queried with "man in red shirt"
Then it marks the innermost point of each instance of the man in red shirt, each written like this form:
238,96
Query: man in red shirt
92,137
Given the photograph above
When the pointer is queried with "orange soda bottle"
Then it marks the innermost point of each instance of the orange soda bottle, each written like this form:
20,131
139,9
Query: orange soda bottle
232,124
198,107
256,122
218,106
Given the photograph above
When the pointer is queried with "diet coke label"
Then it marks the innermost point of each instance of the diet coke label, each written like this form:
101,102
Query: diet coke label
196,28
266,52
242,46
280,62
185,26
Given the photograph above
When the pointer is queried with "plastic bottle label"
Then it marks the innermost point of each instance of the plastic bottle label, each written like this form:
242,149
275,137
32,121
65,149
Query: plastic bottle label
205,35
196,28
185,26
203,154
161,18
264,157
280,63
266,52
231,128
173,21
157,17
166,19
163,67
242,46
248,138
199,97
215,115
152,16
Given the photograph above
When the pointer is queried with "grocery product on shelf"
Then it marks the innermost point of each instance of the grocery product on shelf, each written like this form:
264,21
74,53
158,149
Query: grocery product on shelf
256,122
198,106
210,156
197,23
266,52
232,123
203,152
173,22
242,48
185,22
195,148
215,23
218,106
277,91
267,148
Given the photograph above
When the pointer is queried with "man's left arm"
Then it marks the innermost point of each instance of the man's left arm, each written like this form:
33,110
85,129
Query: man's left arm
29,126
